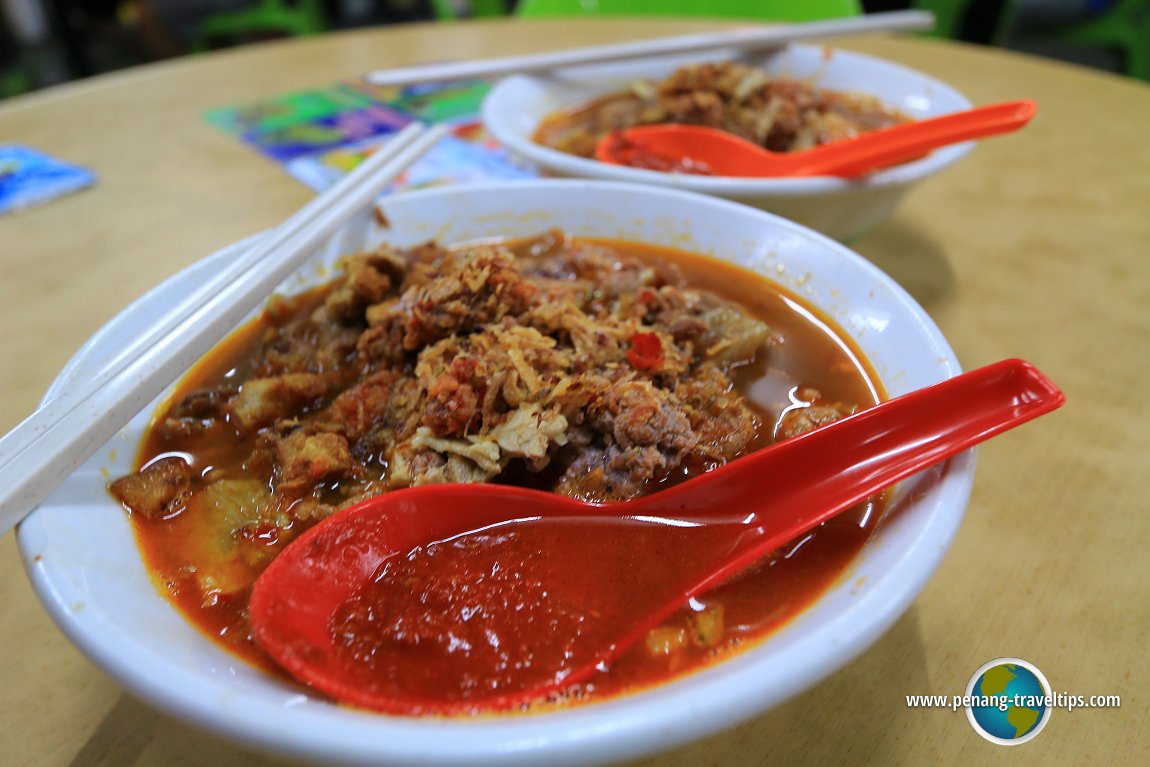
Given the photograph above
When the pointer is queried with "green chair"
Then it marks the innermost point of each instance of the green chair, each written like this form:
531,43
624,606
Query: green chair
13,82
948,16
1124,27
13,78
775,10
448,10
295,19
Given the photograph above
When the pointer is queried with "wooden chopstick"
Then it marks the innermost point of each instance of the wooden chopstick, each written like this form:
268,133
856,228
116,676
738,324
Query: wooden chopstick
52,442
744,38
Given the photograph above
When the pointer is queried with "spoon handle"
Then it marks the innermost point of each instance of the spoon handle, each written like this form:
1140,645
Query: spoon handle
793,486
906,141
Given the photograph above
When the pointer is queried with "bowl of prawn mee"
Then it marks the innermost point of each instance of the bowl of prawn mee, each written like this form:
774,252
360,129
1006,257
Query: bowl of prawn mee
591,338
785,100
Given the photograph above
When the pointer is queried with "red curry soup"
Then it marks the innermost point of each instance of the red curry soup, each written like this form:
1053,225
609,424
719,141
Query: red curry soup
599,369
780,114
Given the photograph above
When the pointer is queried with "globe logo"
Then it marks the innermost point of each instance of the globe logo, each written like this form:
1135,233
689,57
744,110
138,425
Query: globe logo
1009,701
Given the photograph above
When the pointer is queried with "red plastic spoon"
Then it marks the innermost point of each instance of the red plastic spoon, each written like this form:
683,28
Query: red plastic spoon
447,599
697,149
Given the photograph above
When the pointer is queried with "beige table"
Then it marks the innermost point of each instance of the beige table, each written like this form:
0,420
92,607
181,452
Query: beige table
1035,246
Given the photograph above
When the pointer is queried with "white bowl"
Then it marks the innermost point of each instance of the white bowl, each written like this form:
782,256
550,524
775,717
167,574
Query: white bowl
839,208
80,554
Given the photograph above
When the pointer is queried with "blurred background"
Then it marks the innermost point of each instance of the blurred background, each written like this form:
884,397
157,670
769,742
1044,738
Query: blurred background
47,42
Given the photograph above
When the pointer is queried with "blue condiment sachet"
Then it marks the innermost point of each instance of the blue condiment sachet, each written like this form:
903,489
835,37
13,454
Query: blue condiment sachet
29,177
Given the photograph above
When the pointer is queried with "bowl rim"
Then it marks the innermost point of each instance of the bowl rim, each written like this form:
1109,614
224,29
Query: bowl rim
503,129
618,728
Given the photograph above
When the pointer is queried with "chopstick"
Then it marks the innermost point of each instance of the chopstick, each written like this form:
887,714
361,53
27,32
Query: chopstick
58,437
744,38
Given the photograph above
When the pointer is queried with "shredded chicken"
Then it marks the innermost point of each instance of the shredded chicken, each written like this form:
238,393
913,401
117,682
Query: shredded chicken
570,367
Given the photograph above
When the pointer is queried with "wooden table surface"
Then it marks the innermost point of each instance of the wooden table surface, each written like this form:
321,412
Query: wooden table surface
1034,246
